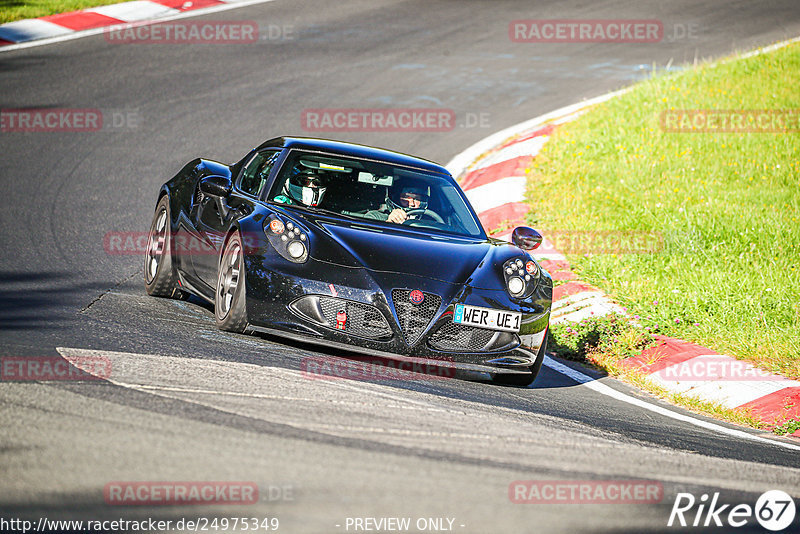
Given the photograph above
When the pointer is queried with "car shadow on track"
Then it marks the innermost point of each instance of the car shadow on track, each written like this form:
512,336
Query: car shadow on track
43,300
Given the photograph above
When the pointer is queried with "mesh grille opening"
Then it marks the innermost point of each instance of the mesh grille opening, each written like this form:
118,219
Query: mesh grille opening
452,336
363,320
414,318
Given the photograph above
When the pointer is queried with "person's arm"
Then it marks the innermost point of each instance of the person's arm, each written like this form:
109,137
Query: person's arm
377,215
283,199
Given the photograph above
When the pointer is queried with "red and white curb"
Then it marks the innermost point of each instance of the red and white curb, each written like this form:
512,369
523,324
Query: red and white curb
492,174
691,369
65,26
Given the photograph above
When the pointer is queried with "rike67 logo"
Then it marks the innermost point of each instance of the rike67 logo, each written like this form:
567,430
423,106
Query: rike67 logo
774,510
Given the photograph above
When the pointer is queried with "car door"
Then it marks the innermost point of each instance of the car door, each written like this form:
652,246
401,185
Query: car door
213,216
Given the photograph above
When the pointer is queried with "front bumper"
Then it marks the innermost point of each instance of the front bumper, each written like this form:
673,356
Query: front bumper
272,299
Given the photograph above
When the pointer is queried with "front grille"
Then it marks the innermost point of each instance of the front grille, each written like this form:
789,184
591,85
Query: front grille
414,318
363,320
451,336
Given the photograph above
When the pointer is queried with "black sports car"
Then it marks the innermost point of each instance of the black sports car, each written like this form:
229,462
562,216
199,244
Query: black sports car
353,247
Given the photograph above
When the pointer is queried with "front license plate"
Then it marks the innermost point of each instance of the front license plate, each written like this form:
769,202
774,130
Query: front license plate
507,321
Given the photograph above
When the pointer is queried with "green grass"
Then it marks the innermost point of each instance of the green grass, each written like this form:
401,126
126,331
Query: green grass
727,205
787,428
612,335
11,10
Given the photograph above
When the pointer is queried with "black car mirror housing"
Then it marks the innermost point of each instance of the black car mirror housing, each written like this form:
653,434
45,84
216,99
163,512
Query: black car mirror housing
526,238
215,186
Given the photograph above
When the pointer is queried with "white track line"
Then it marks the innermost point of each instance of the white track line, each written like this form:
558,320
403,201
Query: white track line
603,389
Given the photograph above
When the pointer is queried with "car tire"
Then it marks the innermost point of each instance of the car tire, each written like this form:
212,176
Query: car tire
229,297
160,278
523,380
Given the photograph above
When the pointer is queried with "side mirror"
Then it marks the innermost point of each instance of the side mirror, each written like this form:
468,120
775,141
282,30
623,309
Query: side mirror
526,238
215,186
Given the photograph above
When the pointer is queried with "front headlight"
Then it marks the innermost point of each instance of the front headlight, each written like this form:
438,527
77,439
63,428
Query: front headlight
288,239
516,286
521,276
296,249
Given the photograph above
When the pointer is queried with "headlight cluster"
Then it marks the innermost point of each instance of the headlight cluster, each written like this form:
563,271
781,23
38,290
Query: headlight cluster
289,239
521,275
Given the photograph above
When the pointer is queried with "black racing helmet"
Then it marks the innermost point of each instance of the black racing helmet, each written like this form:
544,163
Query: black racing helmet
307,188
408,187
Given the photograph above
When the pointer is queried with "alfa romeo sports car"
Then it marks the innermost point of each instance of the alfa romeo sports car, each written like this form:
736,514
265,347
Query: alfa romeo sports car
357,248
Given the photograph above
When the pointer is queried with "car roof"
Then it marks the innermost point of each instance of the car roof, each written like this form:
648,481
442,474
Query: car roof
354,150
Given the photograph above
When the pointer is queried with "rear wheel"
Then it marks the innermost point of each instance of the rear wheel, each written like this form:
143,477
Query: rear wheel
160,279
523,380
229,301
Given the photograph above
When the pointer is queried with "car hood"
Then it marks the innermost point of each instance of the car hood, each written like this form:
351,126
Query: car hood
450,259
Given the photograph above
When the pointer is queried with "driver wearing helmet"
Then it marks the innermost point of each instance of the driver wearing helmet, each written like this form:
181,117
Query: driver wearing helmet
405,196
305,188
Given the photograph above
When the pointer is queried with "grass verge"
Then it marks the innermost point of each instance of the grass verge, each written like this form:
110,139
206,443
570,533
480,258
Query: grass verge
726,204
11,10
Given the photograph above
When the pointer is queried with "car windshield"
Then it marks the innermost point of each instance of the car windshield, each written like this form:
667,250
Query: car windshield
375,191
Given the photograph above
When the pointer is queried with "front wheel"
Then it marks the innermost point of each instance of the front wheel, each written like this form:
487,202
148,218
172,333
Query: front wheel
229,302
160,279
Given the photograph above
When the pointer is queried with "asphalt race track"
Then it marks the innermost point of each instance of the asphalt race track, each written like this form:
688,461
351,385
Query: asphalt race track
189,403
